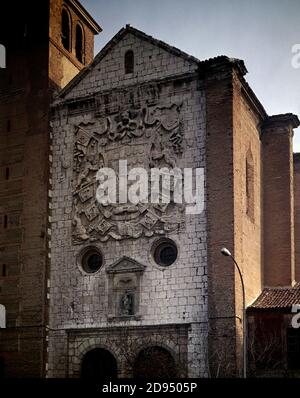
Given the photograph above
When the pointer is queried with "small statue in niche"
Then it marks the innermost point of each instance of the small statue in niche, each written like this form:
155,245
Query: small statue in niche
127,304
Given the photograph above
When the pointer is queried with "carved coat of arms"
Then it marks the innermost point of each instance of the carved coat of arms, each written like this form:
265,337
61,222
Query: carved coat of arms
149,135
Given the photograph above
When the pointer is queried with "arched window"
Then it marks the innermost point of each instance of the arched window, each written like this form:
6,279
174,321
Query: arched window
66,29
250,185
129,62
79,46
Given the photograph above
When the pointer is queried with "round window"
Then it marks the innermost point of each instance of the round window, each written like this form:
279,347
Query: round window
92,261
165,252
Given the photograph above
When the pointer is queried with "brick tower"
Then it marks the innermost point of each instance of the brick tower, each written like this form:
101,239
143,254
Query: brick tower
43,55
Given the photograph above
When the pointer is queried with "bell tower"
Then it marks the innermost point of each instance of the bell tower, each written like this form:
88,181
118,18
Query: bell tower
71,40
47,44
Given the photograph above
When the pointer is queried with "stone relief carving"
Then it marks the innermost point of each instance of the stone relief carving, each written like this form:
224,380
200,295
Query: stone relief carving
133,123
148,136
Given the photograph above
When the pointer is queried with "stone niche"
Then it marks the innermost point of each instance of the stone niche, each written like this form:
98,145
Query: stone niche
124,282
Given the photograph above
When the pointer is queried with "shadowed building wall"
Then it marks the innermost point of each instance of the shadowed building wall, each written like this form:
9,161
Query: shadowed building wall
35,66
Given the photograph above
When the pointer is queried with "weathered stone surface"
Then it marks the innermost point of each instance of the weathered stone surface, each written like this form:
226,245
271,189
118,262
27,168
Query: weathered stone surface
150,119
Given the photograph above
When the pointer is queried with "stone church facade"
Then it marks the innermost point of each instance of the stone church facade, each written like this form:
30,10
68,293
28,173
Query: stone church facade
153,115
141,289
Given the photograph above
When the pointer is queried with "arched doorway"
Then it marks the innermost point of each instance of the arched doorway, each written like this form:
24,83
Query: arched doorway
154,362
98,364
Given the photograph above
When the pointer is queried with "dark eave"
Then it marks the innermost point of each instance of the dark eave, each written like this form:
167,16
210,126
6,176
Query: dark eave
286,119
213,65
276,299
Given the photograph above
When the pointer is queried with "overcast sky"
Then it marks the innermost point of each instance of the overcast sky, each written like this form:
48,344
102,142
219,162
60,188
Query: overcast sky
261,32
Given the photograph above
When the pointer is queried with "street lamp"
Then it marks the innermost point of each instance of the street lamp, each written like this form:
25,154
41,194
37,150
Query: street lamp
227,253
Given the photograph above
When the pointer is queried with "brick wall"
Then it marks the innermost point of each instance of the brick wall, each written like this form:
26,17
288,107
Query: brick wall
248,248
232,134
297,214
24,178
23,189
219,163
279,261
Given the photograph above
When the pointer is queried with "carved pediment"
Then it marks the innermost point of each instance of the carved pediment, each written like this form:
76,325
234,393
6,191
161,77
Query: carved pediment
125,265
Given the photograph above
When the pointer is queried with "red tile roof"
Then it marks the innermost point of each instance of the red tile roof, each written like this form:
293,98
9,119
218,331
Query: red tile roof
277,298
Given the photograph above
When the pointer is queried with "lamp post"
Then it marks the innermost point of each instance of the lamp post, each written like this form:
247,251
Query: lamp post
227,253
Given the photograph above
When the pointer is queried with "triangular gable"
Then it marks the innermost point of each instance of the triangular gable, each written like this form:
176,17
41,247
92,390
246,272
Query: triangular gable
116,39
124,265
